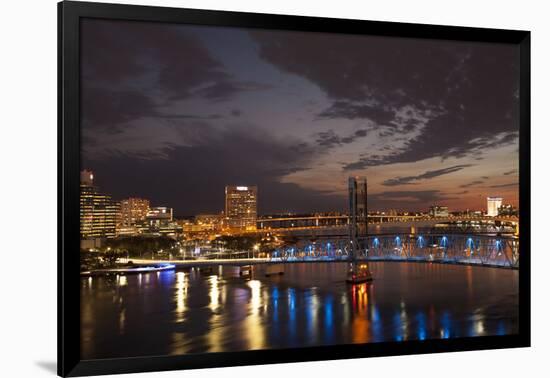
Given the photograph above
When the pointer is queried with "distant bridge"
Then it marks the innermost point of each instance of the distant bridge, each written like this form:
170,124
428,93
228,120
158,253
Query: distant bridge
283,224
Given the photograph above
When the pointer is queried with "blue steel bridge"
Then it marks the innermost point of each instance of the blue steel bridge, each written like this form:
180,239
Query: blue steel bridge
491,250
478,249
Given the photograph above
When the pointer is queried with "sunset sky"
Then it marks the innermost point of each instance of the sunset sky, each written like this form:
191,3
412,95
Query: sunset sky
173,113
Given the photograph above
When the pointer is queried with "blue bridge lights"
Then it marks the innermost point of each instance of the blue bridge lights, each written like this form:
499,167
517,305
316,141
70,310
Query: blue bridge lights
470,245
397,242
497,250
444,242
498,247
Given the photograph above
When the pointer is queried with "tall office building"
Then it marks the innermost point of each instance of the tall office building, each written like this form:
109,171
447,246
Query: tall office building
241,206
98,212
133,211
493,203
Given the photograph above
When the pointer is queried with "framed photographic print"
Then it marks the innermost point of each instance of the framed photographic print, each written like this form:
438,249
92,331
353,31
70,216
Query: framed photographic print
241,188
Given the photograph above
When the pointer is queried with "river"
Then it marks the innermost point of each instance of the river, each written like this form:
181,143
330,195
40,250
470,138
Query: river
181,312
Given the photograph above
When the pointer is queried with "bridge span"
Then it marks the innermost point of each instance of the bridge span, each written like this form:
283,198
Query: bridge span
332,225
482,250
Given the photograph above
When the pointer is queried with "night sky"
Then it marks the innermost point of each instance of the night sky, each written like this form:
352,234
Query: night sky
173,113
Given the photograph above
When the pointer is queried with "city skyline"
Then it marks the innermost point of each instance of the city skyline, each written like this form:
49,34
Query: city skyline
135,204
296,114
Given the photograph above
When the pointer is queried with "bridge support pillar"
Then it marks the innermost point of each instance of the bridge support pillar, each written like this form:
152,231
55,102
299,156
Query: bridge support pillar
358,271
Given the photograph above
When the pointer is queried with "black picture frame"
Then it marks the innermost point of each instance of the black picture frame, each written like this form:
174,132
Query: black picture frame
69,16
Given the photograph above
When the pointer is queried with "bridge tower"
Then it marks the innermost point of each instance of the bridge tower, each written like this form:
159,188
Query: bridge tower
358,231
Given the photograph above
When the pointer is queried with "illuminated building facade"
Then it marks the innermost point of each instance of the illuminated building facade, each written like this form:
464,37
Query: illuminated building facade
133,211
159,214
439,211
241,206
98,212
214,219
160,221
507,210
493,203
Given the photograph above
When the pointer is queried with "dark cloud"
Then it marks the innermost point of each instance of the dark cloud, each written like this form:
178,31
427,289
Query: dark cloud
223,90
131,69
104,108
508,173
344,109
467,92
424,176
472,183
117,51
408,154
331,139
191,116
504,185
194,177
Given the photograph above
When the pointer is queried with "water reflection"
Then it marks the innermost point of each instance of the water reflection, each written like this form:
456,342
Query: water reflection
329,322
445,331
253,325
421,325
291,296
214,293
122,280
181,293
193,312
360,322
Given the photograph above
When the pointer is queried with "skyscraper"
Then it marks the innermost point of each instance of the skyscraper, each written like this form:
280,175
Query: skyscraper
241,204
98,212
493,203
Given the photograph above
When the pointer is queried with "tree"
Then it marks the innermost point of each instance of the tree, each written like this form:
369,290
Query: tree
89,260
110,257
139,246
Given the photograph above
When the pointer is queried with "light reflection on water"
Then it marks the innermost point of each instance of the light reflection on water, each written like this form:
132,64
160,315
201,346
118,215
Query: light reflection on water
253,326
192,312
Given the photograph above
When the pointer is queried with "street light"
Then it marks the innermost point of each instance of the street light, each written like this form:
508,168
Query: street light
256,248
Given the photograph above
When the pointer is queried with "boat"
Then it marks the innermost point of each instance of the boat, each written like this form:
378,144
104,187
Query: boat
359,274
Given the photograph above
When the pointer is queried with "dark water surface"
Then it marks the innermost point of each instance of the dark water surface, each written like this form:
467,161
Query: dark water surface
178,312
